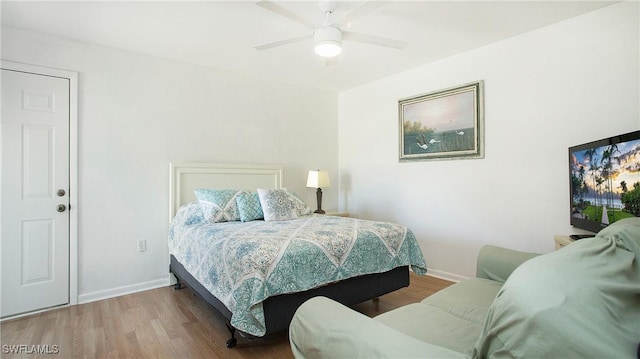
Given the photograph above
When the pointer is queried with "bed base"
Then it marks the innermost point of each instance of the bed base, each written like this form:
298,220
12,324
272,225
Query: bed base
279,310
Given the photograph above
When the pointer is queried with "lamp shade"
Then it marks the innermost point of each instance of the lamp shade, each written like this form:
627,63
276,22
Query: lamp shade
318,179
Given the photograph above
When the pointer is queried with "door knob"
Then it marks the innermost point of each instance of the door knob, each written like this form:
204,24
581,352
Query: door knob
61,193
61,208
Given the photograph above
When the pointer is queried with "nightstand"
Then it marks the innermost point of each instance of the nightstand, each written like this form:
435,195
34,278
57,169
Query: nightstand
339,214
562,241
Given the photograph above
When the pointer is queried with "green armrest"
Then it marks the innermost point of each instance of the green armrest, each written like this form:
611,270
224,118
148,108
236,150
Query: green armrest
497,263
323,328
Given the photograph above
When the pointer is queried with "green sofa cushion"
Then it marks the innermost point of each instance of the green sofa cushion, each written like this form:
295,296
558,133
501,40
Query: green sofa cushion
451,318
580,301
468,300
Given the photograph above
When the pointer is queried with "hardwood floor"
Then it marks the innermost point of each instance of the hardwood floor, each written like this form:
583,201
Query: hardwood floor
160,323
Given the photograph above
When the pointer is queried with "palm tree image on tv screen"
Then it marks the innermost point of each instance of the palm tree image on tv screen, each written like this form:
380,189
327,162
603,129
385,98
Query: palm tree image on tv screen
605,182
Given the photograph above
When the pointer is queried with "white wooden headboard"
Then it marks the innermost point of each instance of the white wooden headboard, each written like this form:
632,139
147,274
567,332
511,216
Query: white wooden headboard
187,176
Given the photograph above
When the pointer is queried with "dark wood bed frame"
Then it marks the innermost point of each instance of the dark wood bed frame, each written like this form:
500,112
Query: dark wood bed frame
279,310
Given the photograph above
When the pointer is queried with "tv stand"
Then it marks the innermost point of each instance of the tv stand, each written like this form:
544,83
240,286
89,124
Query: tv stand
562,241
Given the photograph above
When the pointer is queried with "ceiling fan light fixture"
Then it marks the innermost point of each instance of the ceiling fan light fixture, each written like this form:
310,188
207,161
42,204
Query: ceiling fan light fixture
328,48
328,41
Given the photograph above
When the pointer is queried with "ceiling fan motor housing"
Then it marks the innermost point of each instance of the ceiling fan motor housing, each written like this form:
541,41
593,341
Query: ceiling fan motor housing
328,33
328,41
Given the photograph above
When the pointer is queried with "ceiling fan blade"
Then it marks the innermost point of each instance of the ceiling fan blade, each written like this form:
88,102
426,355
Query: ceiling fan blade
373,40
283,42
273,7
368,7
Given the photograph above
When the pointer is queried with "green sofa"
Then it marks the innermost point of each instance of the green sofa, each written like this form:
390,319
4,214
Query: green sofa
580,301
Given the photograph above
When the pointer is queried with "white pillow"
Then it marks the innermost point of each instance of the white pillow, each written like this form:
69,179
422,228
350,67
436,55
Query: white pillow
280,205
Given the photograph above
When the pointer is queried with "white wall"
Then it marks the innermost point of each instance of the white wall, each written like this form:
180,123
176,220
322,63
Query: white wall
137,113
562,85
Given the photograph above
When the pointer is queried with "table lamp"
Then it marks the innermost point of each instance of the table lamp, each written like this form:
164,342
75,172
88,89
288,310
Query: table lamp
318,179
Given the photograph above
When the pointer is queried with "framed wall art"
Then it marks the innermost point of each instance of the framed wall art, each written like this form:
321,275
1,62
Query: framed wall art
445,124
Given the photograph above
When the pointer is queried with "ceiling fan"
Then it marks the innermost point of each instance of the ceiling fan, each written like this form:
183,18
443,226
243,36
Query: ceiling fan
328,36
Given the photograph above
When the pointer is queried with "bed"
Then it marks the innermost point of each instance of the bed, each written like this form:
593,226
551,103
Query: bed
257,273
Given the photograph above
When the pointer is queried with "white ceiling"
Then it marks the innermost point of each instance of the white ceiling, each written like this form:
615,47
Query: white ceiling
222,34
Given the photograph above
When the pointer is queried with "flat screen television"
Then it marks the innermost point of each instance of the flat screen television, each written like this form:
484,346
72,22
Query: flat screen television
605,181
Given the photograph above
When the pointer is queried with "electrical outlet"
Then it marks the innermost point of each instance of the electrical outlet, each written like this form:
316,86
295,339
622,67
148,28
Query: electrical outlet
142,245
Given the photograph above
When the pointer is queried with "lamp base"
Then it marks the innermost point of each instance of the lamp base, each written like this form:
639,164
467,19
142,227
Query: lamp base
319,199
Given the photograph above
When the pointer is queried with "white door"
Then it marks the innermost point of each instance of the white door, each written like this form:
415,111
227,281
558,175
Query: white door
35,192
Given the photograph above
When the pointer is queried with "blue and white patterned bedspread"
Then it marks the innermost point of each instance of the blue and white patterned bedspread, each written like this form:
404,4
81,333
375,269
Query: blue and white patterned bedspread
243,263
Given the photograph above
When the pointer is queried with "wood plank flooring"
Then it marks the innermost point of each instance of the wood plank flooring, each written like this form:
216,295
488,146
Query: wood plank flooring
160,323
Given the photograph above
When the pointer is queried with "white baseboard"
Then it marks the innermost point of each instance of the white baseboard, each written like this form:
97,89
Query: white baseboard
163,282
445,275
127,289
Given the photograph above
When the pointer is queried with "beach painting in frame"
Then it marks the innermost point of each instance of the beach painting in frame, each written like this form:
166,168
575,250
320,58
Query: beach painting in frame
446,124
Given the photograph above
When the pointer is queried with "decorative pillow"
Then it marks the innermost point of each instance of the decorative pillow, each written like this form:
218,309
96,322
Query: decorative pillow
218,205
280,205
249,206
